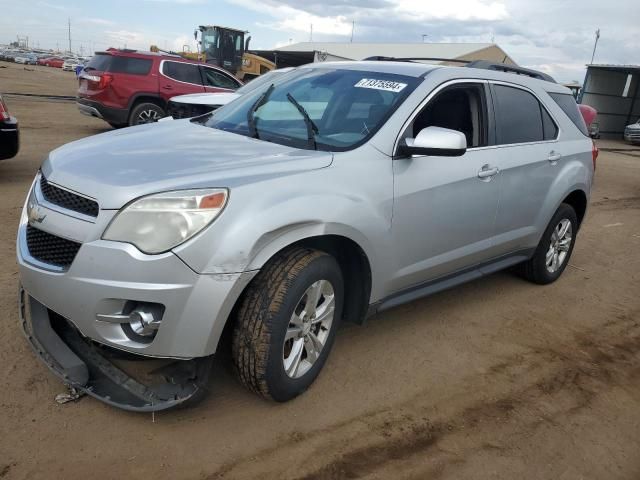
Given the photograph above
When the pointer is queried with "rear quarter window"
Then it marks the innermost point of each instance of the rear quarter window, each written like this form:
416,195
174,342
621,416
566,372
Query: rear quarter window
569,106
116,64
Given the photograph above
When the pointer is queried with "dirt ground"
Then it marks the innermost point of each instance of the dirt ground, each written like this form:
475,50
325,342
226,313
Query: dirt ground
495,379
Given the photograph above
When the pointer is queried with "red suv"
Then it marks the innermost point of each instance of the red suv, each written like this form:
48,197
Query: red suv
126,87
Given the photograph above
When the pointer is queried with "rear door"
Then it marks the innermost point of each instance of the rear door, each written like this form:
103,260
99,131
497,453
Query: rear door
179,78
529,156
218,81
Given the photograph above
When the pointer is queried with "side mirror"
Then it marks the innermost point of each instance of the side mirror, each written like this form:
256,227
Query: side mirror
435,141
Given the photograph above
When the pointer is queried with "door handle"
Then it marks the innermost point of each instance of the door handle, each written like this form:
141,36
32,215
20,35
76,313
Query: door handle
554,156
486,172
168,87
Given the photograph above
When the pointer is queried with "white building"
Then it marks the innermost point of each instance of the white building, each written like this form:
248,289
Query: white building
307,52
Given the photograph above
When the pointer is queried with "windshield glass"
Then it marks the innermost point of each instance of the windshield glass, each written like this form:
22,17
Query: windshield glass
327,109
264,79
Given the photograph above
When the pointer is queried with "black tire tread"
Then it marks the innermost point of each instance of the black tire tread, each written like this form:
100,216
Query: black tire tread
261,301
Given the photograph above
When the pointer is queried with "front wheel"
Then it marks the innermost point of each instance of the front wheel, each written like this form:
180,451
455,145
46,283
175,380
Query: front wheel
287,322
554,250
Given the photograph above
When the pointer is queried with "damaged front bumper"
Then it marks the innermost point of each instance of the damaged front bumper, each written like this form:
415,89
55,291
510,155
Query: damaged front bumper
85,366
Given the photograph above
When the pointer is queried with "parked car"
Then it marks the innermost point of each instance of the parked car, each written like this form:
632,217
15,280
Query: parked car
56,62
25,59
125,87
70,65
9,133
345,189
194,104
632,132
589,115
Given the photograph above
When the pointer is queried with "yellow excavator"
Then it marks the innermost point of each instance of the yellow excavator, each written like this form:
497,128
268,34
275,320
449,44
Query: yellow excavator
226,48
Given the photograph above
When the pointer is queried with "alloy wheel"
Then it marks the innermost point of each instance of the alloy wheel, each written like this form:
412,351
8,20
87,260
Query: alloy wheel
308,328
559,246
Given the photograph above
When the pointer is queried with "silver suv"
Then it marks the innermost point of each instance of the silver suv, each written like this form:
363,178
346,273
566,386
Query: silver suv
343,190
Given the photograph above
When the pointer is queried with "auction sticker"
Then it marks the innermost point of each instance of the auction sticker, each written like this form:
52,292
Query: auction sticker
386,85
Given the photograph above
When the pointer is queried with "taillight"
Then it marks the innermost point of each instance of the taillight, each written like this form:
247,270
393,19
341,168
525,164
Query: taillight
105,80
4,113
594,154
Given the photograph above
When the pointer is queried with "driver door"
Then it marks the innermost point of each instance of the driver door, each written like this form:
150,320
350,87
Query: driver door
445,207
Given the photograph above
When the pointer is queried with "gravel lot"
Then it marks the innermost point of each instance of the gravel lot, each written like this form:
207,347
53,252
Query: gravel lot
495,379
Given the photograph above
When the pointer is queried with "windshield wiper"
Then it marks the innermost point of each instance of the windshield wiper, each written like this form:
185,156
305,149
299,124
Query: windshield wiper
251,121
312,128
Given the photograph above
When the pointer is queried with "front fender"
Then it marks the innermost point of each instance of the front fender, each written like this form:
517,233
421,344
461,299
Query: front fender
264,217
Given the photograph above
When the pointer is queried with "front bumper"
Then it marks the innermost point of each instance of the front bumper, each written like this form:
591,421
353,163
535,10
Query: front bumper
85,367
105,277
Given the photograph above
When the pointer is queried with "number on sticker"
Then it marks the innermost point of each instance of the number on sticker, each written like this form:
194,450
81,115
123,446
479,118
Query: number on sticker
385,85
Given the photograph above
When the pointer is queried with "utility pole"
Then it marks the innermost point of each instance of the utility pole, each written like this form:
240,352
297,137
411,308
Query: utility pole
69,34
353,27
595,45
311,33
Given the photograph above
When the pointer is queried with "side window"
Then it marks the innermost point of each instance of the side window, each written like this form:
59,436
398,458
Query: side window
568,105
131,66
461,107
518,117
214,78
182,72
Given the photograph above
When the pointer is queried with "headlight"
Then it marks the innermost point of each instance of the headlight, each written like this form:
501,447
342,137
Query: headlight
157,223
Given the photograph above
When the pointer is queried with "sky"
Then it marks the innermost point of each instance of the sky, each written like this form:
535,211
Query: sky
555,36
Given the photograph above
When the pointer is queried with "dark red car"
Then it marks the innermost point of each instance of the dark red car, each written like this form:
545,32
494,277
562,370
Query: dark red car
126,87
51,62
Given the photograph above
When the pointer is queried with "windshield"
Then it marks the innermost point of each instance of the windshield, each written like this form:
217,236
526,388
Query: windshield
322,109
264,79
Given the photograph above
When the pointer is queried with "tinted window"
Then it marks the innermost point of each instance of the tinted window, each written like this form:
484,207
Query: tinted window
518,116
569,106
214,78
115,64
182,72
548,125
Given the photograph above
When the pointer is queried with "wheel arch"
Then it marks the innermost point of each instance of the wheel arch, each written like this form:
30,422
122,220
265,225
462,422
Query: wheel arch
578,201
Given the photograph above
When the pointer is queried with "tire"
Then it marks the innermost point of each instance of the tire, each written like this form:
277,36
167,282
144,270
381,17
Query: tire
537,269
146,113
264,358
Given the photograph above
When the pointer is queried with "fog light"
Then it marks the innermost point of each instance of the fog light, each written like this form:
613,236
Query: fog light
139,320
144,323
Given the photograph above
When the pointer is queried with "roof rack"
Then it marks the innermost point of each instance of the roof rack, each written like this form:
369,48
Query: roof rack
502,67
482,64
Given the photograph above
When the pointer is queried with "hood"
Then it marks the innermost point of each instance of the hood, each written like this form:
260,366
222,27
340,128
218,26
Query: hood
211,99
633,126
118,166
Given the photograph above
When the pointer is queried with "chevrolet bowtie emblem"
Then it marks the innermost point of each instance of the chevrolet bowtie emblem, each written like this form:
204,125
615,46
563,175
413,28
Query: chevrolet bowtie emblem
35,212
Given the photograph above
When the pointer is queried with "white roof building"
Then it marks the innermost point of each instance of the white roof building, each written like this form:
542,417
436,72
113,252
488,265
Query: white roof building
329,51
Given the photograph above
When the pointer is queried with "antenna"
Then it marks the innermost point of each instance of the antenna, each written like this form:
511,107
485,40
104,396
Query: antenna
595,45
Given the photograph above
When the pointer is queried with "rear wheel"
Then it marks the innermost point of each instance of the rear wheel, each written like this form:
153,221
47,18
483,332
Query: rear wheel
554,250
286,323
146,113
